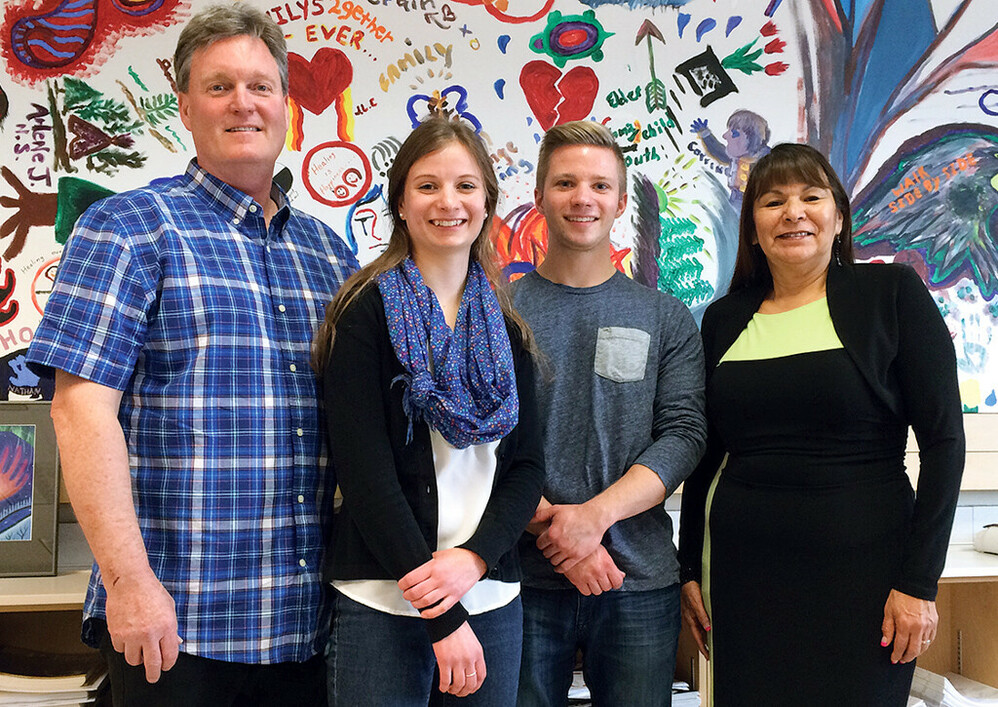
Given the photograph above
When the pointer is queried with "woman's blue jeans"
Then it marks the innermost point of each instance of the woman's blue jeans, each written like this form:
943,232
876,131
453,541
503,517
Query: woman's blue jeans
374,658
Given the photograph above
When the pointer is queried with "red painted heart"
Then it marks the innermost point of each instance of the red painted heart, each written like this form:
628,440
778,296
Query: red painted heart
556,98
315,84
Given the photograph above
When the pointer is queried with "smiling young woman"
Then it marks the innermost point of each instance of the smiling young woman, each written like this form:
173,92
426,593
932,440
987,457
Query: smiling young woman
428,385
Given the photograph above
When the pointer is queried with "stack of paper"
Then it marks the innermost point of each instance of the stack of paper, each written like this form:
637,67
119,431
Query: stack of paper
682,696
951,690
37,679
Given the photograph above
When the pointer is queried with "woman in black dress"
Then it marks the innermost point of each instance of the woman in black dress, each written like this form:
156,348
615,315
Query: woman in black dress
809,566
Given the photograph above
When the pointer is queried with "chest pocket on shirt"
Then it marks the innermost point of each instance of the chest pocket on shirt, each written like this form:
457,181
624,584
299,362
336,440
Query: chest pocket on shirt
621,353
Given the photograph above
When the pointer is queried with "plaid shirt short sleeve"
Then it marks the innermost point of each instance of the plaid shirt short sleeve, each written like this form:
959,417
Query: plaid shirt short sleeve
180,296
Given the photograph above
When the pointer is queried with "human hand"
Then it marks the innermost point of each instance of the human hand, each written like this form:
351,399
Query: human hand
595,574
32,210
695,615
461,662
441,581
142,622
574,532
910,623
699,125
535,527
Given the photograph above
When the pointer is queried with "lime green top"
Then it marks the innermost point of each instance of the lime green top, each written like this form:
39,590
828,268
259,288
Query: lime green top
805,329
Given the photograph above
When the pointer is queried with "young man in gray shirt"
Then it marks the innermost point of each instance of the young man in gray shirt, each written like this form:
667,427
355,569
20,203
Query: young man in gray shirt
620,388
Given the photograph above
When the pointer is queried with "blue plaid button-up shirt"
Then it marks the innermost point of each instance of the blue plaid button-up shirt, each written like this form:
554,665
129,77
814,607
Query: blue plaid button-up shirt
180,296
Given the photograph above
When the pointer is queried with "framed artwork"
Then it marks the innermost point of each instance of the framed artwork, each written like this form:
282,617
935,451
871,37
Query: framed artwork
29,490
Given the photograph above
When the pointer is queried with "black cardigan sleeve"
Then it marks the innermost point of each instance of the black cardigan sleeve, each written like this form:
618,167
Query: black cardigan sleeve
692,517
356,382
517,490
361,449
926,375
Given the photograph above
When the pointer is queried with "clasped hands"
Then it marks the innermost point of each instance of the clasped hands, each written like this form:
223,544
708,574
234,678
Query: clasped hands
569,536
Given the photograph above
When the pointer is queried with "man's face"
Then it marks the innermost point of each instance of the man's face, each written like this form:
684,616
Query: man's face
581,196
737,142
235,109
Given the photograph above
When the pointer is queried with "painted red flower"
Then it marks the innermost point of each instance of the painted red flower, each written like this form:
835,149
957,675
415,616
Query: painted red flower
776,46
776,68
768,29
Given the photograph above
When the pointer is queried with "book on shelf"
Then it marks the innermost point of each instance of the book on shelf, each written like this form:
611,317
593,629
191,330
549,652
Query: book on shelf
46,699
32,671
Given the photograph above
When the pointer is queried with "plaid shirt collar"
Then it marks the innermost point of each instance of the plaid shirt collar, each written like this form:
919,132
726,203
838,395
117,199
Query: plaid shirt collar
235,204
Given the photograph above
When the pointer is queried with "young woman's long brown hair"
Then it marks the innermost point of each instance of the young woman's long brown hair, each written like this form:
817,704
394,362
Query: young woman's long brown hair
430,136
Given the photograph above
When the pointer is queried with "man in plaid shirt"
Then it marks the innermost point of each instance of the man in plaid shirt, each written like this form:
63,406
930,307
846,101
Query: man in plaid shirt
185,409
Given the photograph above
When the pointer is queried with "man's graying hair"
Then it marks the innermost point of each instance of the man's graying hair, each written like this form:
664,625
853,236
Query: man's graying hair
224,21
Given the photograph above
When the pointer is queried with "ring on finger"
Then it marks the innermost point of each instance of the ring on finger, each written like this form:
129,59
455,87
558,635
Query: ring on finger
471,674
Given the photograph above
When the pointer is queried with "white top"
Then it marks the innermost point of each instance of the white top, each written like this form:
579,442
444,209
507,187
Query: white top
464,485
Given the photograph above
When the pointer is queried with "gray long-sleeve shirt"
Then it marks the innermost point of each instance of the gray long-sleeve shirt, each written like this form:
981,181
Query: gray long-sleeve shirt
620,381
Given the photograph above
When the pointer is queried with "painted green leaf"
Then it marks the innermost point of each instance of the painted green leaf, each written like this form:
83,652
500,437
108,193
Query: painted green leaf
742,60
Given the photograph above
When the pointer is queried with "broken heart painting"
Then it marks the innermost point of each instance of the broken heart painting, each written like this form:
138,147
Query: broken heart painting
556,97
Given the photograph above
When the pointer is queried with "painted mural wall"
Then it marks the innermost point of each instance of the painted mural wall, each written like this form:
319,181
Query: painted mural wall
901,94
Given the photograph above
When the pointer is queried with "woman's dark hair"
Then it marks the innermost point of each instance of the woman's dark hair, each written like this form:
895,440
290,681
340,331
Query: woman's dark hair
787,163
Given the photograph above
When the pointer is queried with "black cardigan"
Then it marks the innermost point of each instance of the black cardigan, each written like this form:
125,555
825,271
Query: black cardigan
387,524
892,330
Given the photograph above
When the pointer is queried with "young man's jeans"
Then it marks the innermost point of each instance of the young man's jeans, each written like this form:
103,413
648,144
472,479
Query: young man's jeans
374,658
628,642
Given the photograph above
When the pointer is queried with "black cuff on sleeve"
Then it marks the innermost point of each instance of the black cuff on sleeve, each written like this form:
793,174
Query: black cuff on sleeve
689,574
443,626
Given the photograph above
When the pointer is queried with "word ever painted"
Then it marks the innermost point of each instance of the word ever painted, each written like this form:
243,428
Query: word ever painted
341,34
